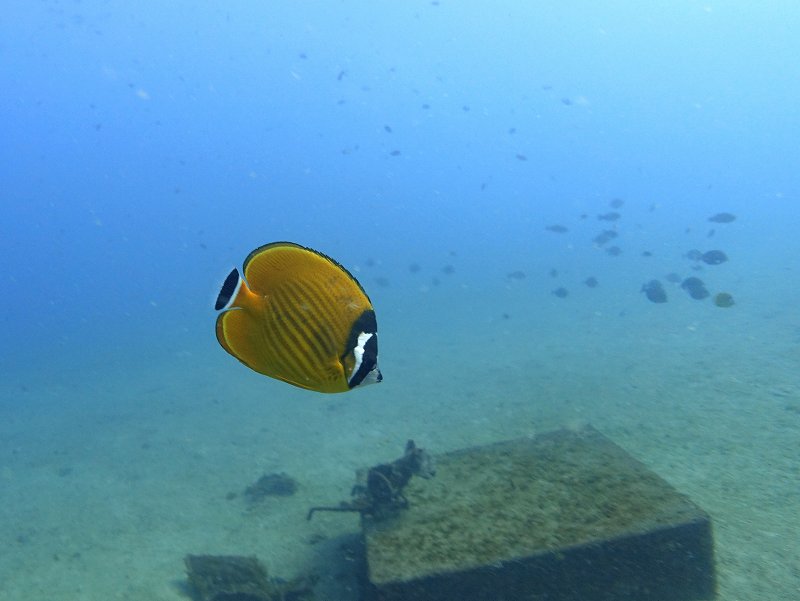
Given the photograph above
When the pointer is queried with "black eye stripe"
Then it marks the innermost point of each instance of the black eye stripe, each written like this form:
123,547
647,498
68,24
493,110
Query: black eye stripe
365,324
368,361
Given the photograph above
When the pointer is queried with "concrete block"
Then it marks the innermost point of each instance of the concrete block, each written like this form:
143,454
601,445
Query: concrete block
565,516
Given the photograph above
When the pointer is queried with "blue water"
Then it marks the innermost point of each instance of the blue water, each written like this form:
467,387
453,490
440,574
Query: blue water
147,148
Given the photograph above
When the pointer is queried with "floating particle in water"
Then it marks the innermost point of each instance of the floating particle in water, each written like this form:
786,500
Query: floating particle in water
591,281
610,216
516,275
614,251
673,277
561,292
616,203
557,228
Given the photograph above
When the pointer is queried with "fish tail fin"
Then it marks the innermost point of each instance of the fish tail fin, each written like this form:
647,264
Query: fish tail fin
230,290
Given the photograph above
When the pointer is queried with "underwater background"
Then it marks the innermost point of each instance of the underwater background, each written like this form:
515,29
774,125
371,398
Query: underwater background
465,161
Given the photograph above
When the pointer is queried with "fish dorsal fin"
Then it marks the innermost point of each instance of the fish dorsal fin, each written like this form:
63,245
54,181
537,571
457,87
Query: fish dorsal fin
274,263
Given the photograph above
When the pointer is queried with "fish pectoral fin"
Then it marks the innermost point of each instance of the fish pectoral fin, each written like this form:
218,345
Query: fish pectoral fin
328,377
335,376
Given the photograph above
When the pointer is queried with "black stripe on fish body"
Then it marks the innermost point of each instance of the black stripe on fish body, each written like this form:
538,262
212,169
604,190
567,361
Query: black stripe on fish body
290,332
305,316
288,359
273,350
311,292
296,345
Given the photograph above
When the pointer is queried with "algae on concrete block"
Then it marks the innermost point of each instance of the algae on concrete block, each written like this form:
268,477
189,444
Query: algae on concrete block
567,515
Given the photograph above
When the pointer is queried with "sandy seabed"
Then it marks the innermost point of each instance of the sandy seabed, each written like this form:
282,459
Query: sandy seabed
110,475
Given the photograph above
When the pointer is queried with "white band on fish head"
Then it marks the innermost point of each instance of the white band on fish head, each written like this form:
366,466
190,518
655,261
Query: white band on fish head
365,370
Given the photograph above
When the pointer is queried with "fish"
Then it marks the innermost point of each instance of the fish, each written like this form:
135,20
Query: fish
561,292
724,300
516,275
604,237
616,203
714,257
673,277
694,255
298,316
695,287
614,251
557,228
722,218
591,281
610,216
654,291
